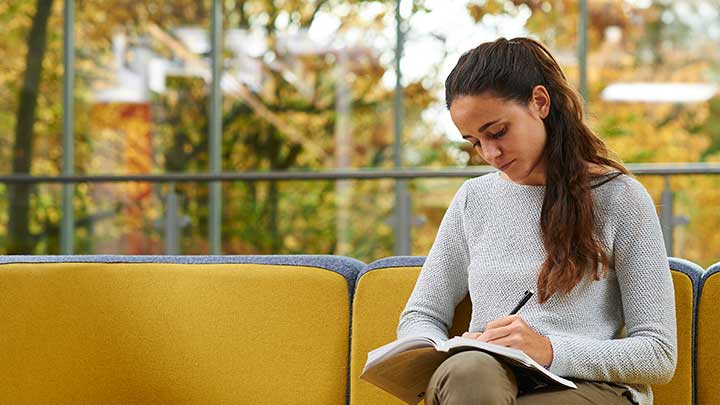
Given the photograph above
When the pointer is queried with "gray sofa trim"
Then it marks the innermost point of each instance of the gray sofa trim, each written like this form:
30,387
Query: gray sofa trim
346,266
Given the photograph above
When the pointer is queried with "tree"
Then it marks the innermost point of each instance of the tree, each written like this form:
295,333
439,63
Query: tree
19,194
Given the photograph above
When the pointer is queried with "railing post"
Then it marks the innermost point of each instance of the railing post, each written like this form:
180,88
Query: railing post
215,127
67,221
343,154
402,199
666,215
582,50
172,221
402,218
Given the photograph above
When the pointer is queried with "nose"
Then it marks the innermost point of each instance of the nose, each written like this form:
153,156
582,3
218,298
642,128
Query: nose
491,152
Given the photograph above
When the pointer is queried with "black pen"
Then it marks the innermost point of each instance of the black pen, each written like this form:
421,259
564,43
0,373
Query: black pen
522,302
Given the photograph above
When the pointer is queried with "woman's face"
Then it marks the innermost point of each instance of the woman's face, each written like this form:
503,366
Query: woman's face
508,135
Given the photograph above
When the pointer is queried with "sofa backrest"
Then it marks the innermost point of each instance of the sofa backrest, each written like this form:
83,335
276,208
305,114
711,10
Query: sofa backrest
175,329
707,344
381,291
686,280
383,288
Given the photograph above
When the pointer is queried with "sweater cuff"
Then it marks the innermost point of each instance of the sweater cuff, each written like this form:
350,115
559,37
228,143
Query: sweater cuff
561,362
425,330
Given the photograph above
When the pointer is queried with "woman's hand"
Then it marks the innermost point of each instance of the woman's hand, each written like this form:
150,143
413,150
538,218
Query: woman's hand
512,331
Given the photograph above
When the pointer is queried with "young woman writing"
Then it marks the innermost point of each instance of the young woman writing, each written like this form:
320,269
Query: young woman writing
560,217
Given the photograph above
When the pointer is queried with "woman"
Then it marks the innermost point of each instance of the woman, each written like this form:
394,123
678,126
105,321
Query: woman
560,217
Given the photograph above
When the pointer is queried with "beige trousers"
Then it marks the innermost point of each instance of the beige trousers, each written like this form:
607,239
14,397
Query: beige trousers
478,378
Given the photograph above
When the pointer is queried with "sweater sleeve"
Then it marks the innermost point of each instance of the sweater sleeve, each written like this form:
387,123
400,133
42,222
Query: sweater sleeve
442,283
648,354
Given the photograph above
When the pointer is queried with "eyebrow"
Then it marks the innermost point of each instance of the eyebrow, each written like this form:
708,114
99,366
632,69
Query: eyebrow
482,128
487,125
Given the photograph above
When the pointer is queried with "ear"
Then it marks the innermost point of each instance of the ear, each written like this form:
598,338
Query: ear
540,101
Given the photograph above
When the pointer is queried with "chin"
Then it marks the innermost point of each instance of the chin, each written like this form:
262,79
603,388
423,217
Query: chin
510,177
513,177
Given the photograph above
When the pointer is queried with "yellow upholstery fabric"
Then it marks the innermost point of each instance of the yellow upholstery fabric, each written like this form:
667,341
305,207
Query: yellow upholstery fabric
380,297
679,389
90,333
708,344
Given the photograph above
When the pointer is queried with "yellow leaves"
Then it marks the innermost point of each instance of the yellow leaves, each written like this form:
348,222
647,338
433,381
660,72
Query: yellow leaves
476,12
696,197
418,96
713,158
606,13
127,138
492,7
660,134
645,142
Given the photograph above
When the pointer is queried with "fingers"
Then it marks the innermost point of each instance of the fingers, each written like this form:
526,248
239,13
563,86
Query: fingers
509,331
471,335
513,341
500,322
503,331
496,333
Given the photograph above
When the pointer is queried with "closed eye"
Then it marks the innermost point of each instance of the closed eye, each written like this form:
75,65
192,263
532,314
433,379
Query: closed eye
473,141
499,134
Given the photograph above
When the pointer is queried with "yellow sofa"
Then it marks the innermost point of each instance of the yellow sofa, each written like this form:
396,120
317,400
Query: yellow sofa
238,329
707,344
175,330
383,288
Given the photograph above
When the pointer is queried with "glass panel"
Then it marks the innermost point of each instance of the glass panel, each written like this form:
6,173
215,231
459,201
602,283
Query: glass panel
30,120
142,86
43,218
430,199
120,218
305,85
4,234
142,107
303,217
653,70
695,209
194,203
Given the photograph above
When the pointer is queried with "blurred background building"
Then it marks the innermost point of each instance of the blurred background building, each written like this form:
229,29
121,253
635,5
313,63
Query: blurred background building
324,119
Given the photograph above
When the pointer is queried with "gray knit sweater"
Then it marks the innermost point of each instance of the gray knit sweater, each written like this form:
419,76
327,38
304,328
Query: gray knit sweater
489,243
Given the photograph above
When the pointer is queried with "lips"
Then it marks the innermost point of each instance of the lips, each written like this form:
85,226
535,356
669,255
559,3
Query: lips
506,165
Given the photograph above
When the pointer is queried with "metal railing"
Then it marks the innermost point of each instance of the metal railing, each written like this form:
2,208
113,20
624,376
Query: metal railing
173,221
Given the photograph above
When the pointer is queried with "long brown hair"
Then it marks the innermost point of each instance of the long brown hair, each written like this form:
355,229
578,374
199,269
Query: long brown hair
509,70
